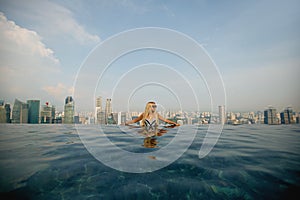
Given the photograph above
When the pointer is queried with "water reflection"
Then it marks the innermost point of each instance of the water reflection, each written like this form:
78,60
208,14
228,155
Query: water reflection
151,133
150,142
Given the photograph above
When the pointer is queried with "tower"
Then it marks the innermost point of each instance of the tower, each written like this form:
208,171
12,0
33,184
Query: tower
2,112
222,116
20,112
121,118
33,111
270,116
108,110
286,116
46,114
8,112
99,114
69,110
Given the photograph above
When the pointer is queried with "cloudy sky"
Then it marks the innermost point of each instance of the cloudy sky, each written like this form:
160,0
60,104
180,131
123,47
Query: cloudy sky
255,46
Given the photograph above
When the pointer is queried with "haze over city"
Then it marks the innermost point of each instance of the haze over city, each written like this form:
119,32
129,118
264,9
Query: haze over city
254,45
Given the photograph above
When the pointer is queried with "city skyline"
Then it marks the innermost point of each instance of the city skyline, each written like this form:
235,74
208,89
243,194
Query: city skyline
101,106
257,59
33,112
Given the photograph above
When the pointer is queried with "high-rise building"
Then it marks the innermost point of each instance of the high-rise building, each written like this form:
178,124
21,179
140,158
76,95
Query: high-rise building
57,116
286,116
112,118
2,113
101,117
69,110
121,118
259,117
47,114
53,113
270,116
76,119
33,111
108,110
8,112
20,112
99,114
69,99
222,116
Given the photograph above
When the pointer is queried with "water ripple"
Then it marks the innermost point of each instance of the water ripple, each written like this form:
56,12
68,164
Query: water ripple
50,162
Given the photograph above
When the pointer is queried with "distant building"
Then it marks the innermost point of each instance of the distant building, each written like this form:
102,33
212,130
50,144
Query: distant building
8,112
47,114
2,113
20,112
33,111
76,119
108,111
260,117
113,118
69,111
270,116
286,116
57,120
121,118
99,113
222,114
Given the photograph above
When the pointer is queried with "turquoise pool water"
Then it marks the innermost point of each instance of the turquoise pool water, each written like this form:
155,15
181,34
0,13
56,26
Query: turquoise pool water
248,162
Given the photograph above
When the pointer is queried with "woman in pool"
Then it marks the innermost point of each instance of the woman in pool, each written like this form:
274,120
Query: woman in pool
150,118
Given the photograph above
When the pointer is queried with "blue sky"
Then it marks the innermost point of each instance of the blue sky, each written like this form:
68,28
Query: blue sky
255,45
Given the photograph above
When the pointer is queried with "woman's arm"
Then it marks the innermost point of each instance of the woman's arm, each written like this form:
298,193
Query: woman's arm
167,121
135,120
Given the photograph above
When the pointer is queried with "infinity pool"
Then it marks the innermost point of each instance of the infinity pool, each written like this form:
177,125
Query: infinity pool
51,162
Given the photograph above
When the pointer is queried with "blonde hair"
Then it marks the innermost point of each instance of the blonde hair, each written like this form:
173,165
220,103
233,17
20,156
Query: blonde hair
147,112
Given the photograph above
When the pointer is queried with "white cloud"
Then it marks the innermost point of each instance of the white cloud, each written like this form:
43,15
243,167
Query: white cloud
51,20
61,21
15,39
25,61
60,91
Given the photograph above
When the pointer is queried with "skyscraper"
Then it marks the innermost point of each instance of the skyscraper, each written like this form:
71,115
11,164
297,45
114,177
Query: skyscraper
8,112
222,116
69,99
286,116
108,110
20,112
69,110
2,112
121,118
99,114
47,114
270,116
33,111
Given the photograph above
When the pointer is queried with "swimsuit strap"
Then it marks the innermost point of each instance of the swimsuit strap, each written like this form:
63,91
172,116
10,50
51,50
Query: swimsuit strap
148,123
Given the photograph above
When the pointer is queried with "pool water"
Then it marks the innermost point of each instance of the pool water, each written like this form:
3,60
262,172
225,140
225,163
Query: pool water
51,162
